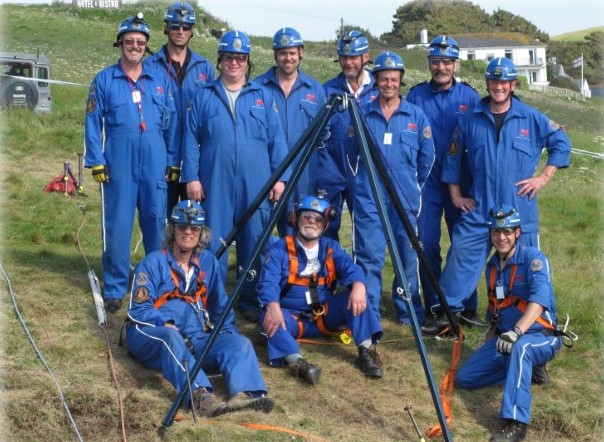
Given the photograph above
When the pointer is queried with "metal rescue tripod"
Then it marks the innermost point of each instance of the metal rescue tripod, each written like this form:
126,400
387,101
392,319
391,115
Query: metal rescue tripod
374,165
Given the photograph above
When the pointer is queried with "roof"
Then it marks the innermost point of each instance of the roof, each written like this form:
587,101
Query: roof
495,40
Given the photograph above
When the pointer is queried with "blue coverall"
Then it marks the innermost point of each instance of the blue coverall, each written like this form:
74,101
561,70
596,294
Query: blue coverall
273,279
296,111
443,108
495,165
338,162
198,71
136,160
159,347
536,346
405,143
234,156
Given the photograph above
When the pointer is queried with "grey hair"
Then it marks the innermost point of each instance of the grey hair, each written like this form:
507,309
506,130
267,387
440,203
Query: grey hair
204,238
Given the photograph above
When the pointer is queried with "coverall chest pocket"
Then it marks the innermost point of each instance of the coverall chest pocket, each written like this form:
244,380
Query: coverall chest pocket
309,109
159,101
522,153
117,111
407,152
258,126
476,156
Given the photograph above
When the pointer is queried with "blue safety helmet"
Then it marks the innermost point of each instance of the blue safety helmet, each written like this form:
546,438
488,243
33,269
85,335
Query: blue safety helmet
136,23
501,68
443,46
503,216
315,204
388,61
287,38
188,212
353,43
180,12
235,41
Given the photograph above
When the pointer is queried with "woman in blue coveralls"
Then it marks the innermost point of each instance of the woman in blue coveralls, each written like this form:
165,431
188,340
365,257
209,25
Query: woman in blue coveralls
523,334
233,142
177,295
403,135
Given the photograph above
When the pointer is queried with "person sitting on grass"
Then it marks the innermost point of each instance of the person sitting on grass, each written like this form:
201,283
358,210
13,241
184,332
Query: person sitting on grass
177,296
297,292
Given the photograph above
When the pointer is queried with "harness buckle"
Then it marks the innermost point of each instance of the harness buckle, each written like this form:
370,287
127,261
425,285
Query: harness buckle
319,311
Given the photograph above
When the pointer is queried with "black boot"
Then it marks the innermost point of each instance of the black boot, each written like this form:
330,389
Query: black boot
369,362
540,375
309,372
436,325
470,318
511,431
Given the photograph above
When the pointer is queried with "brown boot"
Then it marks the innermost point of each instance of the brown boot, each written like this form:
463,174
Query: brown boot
206,404
246,401
309,372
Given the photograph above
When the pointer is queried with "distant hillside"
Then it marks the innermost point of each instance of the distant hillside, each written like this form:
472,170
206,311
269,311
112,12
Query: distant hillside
577,35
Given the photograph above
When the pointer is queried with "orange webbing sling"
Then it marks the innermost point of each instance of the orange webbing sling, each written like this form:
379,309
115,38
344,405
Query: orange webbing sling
200,293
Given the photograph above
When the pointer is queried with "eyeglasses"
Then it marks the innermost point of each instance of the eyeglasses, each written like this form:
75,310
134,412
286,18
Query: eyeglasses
506,232
318,219
178,26
184,227
239,58
132,42
445,61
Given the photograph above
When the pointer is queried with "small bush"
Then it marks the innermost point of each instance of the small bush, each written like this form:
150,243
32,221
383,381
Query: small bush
565,83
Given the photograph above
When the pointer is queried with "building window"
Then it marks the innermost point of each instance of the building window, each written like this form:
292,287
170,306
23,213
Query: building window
471,55
508,54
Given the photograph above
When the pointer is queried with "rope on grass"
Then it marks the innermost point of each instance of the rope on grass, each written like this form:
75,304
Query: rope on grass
39,353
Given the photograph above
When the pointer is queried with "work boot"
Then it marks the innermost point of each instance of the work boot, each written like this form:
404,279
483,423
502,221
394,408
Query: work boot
247,401
112,305
540,375
251,315
206,404
369,362
436,325
511,431
470,318
309,372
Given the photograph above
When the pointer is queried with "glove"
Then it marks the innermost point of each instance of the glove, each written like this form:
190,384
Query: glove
100,173
172,174
506,340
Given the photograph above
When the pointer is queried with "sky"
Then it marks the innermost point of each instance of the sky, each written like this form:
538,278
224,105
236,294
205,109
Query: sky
318,19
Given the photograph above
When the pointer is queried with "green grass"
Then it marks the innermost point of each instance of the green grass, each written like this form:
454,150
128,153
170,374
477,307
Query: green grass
577,35
48,275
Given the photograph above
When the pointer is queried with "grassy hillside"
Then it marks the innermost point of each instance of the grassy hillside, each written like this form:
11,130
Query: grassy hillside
577,35
43,233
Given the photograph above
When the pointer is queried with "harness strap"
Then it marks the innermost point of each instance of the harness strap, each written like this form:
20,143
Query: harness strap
295,279
318,318
510,300
200,292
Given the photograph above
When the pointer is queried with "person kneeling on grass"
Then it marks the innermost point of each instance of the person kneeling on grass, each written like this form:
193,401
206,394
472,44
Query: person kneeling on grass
523,335
297,291
177,294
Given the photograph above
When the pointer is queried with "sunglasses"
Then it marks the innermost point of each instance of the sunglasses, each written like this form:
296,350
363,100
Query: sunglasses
132,42
506,232
178,26
185,227
318,219
445,61
239,58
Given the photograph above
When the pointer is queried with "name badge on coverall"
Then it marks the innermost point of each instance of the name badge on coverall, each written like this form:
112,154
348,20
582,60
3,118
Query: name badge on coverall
499,291
136,96
388,138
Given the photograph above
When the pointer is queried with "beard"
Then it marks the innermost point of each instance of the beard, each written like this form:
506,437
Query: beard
309,233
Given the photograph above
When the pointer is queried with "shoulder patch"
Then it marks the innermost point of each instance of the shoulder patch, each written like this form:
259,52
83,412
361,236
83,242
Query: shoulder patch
536,265
350,131
141,278
469,85
427,132
553,125
141,295
90,105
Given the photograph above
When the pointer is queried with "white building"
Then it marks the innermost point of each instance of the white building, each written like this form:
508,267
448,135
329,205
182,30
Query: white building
527,54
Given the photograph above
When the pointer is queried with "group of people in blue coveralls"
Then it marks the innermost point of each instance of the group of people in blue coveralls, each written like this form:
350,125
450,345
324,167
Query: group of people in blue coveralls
168,126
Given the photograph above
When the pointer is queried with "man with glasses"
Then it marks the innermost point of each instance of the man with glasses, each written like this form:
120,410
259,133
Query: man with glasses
501,141
131,138
177,296
299,98
523,325
297,289
338,162
444,99
187,71
233,142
